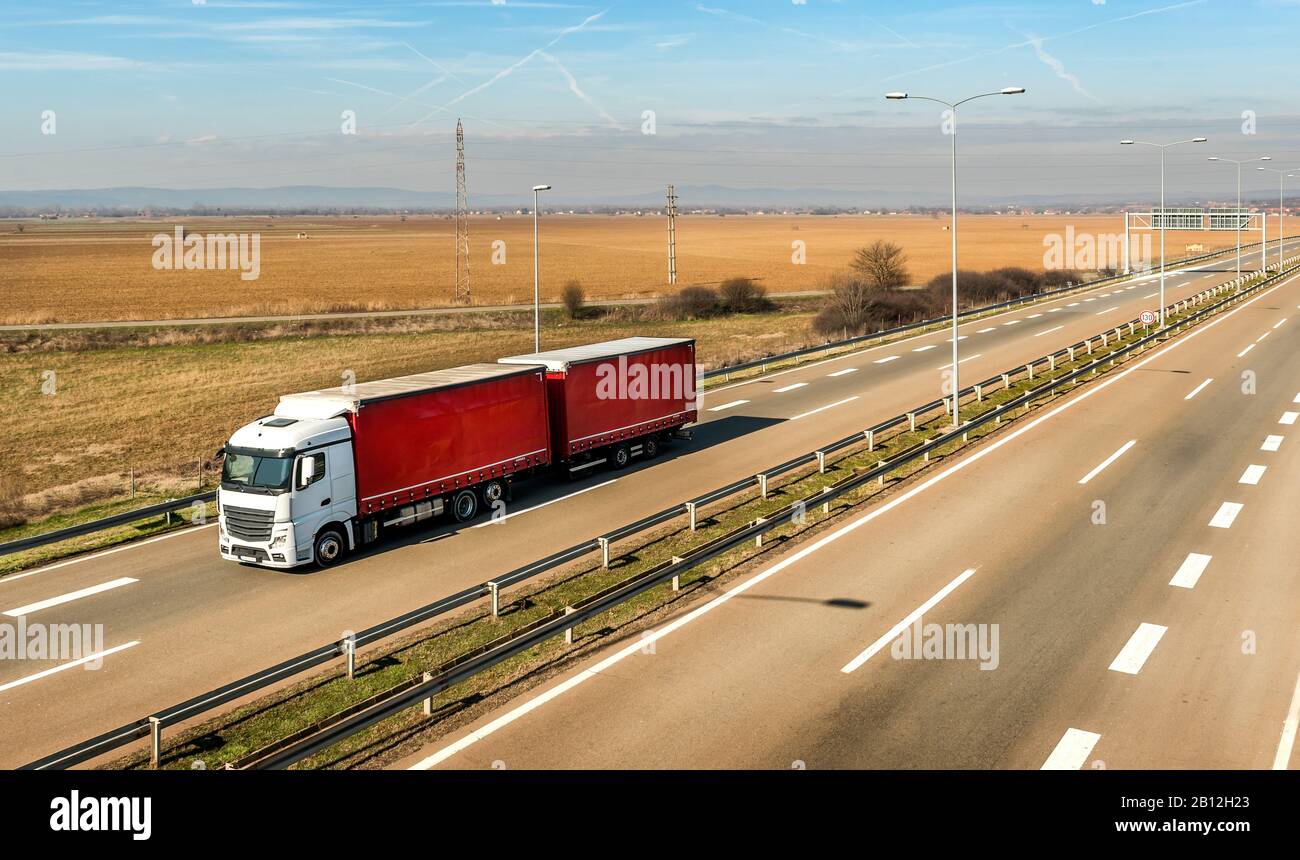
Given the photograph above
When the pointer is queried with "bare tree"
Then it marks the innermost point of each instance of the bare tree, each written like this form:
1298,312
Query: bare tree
883,264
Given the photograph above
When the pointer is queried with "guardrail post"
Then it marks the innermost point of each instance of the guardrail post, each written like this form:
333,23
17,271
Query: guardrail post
911,418
1071,349
979,393
155,742
350,651
871,439
1030,367
1051,362
758,538
604,552
762,485
826,505
1006,381
568,631
1089,343
494,591
880,479
1104,341
821,462
428,703
690,509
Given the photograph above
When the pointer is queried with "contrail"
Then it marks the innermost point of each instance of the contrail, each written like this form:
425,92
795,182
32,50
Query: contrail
577,90
1057,66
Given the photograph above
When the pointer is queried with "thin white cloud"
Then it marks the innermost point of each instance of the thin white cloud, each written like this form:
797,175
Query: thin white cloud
1057,66
59,61
746,19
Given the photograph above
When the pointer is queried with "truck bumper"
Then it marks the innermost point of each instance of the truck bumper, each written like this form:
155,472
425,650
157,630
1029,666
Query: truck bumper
247,552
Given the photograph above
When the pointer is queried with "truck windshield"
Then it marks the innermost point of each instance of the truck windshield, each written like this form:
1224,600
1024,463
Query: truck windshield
248,470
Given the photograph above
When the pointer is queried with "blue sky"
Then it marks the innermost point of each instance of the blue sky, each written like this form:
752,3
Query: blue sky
745,94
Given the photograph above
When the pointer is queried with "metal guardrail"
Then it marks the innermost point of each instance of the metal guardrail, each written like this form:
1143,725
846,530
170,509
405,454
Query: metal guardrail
153,725
411,693
776,358
153,510
105,523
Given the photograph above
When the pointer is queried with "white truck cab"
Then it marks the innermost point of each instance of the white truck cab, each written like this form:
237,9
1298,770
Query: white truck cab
288,490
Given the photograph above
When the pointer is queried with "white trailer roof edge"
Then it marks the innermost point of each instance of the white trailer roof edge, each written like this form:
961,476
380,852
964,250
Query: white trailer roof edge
560,359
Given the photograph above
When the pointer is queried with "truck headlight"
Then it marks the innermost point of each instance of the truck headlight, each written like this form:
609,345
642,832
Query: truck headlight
279,540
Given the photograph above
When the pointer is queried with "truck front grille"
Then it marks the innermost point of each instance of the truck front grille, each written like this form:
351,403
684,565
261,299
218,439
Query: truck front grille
248,523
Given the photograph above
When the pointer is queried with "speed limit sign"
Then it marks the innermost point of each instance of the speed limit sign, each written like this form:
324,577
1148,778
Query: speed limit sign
1147,317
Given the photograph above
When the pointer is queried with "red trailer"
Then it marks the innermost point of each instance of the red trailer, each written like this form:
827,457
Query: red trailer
618,399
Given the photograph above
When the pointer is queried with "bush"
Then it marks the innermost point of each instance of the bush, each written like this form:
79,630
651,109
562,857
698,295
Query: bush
741,295
882,264
690,303
572,297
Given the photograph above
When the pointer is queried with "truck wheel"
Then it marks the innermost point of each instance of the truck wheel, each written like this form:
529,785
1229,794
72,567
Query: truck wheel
620,456
493,491
329,547
650,447
464,506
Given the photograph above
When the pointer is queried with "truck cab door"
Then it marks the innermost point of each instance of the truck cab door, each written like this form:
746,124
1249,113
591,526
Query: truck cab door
312,504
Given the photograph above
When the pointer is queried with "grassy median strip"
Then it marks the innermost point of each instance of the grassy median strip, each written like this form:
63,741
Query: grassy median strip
303,707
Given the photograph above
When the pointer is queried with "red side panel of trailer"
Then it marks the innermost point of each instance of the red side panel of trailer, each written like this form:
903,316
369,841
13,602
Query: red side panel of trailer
599,401
418,445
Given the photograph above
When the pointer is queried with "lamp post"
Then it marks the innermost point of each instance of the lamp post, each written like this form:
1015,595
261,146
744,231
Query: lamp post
952,106
1237,217
1164,217
537,301
1281,232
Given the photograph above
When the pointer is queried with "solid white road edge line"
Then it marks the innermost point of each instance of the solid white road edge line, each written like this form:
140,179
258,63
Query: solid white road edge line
1197,390
1283,757
1111,459
824,408
1072,750
848,528
71,663
894,632
14,577
70,596
544,504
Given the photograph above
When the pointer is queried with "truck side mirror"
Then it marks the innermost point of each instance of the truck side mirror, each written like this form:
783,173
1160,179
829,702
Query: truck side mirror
308,470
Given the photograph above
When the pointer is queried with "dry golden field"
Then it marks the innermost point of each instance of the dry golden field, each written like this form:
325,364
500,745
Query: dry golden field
101,269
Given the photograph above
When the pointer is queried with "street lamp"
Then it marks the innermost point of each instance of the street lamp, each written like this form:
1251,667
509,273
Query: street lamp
537,302
952,106
1237,217
1164,216
1281,232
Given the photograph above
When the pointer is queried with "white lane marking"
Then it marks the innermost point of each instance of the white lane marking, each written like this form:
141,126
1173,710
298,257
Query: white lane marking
1150,295
1033,316
1278,324
1093,299
788,388
986,330
1190,570
843,372
1108,310
1138,648
894,632
1054,310
1246,350
1103,295
728,405
1227,512
962,361
959,337
70,596
1288,417
1283,757
1111,459
89,658
1262,336
1072,750
1049,331
493,522
1197,390
848,528
927,346
886,359
1271,443
1072,304
14,577
1297,399
824,408
1252,475
1012,322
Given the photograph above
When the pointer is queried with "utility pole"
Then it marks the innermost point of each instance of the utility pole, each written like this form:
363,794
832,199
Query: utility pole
672,236
461,295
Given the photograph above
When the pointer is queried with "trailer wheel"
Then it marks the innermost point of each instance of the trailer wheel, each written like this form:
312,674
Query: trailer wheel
620,456
464,506
493,491
329,547
650,447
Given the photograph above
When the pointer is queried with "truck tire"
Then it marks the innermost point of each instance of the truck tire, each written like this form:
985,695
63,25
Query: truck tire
464,506
493,491
619,457
329,547
650,447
